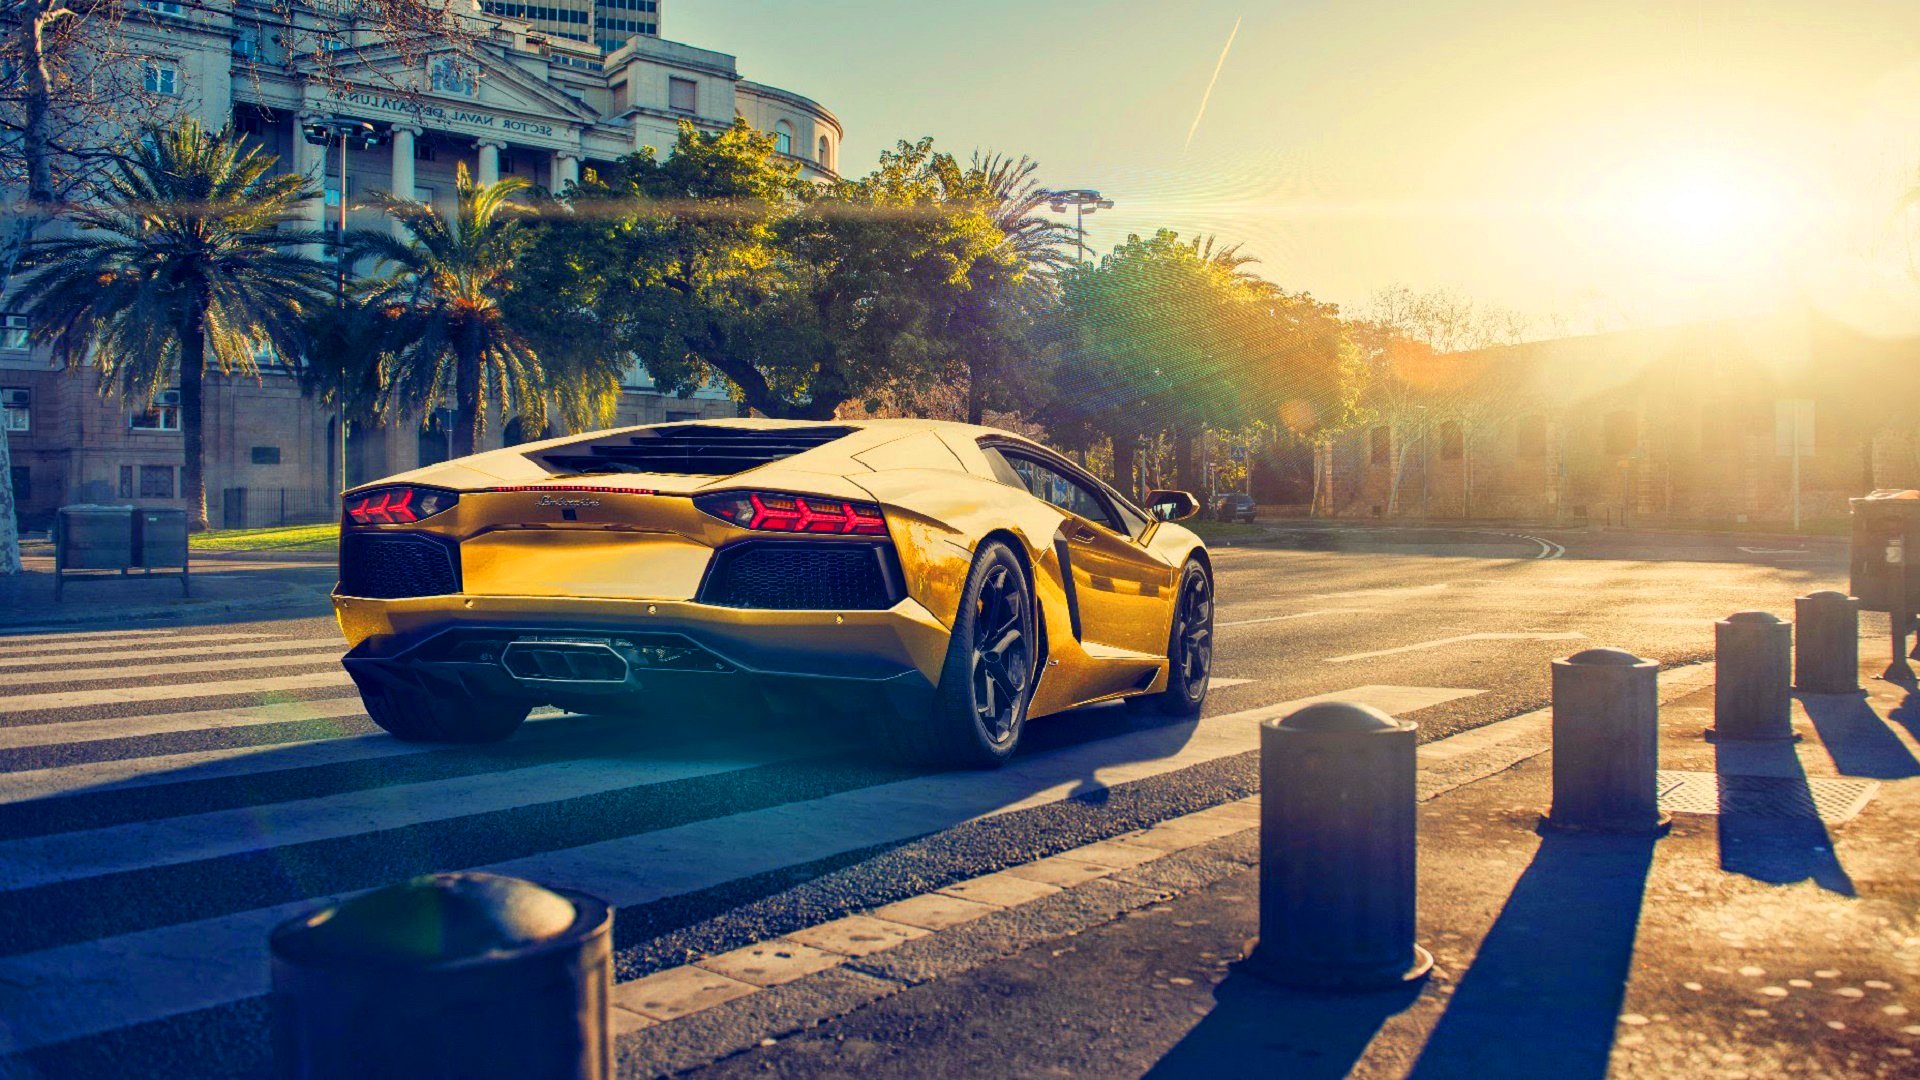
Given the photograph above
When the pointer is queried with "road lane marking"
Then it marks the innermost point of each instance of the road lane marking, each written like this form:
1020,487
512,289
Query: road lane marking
1386,592
94,777
186,667
99,657
63,732
143,845
71,991
7,648
1222,684
34,635
1295,615
127,695
1437,643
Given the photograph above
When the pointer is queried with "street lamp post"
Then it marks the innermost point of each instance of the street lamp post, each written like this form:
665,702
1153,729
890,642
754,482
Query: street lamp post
327,132
1084,201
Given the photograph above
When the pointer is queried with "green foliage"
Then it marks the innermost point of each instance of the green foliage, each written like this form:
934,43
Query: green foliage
185,260
1175,336
441,324
719,261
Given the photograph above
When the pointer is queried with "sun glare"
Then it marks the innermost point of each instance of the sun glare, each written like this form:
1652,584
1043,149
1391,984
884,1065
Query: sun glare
1705,212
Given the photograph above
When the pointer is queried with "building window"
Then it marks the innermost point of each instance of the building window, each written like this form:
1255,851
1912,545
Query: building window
126,481
1453,442
783,138
266,455
1620,432
825,152
1380,445
13,333
162,415
246,43
22,484
16,408
683,95
160,78
1530,437
422,150
162,8
156,481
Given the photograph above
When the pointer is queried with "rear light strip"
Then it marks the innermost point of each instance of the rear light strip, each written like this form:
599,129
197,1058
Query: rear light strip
768,511
397,505
575,487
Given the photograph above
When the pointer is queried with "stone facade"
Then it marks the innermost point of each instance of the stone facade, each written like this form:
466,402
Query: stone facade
1684,424
526,103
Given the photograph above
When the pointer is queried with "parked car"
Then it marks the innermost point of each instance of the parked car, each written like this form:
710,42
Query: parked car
947,582
1234,507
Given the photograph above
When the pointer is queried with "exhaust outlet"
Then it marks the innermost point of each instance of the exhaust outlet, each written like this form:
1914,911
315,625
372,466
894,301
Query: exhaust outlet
565,661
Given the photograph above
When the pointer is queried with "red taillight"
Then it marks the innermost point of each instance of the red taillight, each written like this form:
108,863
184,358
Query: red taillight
772,512
397,505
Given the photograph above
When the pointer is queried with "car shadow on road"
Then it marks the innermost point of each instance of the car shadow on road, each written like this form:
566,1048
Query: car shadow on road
1259,1029
1768,823
1543,994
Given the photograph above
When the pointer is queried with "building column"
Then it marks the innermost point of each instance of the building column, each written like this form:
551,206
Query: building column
310,161
564,170
489,170
403,179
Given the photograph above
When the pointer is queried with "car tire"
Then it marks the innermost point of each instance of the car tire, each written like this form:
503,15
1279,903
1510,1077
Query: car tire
459,719
980,707
1189,647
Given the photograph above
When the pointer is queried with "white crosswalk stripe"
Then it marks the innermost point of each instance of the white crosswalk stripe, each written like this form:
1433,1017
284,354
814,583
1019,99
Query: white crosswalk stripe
118,642
68,699
71,732
113,655
220,665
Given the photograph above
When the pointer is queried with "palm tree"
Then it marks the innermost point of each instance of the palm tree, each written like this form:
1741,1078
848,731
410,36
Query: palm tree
436,317
995,314
185,260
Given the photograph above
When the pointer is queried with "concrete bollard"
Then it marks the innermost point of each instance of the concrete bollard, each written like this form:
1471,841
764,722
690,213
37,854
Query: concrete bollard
1337,851
1826,645
1753,662
468,975
1606,744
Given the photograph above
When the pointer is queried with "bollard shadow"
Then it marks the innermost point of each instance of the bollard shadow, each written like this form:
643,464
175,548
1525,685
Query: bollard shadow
1257,1028
1769,828
1544,992
1907,714
1857,739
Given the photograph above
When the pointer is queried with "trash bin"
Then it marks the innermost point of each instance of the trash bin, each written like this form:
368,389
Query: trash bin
1886,534
88,537
160,541
1885,527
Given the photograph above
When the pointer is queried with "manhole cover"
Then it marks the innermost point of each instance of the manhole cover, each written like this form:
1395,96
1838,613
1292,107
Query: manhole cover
1831,801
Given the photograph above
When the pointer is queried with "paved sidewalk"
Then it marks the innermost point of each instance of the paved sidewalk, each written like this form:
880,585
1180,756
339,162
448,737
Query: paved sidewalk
1774,931
221,585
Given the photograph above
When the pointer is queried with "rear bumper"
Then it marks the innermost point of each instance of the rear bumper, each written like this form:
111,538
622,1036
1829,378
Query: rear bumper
838,660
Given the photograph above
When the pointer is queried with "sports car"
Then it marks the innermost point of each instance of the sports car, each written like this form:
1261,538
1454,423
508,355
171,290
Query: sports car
943,582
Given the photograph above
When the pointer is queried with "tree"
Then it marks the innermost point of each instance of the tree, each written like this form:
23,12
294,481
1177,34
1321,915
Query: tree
72,85
437,320
719,261
187,260
992,323
1171,336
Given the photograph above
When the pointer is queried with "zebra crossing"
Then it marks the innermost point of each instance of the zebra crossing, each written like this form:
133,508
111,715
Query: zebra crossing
139,876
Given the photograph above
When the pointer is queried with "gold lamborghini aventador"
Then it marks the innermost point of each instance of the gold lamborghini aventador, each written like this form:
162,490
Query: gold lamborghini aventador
942,581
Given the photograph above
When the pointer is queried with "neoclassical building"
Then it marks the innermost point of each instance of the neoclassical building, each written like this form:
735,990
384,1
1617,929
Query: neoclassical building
547,91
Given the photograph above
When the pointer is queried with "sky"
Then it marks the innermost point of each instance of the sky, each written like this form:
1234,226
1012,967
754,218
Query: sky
1591,165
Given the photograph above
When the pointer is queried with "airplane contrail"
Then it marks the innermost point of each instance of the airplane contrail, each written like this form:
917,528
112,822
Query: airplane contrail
1228,47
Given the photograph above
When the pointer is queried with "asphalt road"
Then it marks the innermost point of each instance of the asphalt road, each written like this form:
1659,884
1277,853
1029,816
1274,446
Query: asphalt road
167,794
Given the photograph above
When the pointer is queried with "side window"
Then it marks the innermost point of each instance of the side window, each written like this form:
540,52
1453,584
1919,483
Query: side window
1062,491
1002,471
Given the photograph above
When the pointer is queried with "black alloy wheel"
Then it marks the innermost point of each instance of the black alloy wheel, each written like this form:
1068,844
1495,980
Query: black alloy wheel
992,666
1189,647
1002,660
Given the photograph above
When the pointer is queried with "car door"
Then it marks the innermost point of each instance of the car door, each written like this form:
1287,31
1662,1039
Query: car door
1121,589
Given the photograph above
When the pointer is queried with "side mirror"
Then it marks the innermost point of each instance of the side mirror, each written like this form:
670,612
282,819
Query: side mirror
1172,505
